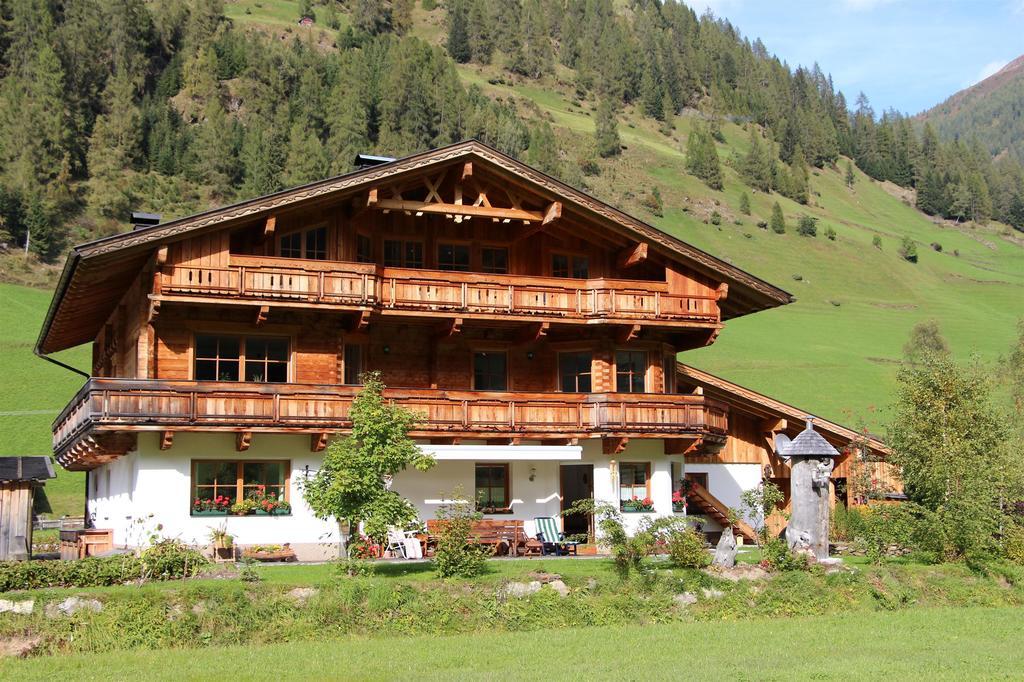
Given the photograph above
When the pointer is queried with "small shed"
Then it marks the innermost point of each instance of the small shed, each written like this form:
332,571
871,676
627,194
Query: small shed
19,478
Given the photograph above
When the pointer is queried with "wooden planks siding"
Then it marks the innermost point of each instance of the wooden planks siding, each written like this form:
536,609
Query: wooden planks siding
16,520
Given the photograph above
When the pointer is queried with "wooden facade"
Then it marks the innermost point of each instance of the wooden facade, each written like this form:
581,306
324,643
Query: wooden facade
498,305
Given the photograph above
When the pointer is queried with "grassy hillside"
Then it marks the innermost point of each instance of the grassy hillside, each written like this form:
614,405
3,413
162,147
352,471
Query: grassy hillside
35,391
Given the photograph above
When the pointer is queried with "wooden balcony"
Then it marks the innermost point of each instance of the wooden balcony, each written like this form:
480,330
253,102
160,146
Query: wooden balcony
108,408
396,291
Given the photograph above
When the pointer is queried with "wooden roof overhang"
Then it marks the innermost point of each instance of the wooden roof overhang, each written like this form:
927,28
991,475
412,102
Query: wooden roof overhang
774,412
97,273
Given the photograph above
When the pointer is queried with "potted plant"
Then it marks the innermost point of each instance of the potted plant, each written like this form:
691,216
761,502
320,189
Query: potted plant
243,507
215,506
266,504
223,542
678,501
635,504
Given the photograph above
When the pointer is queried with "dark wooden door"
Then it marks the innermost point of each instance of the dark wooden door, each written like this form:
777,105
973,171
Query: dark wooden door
577,483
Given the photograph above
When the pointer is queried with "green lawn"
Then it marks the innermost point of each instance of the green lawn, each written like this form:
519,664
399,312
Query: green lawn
968,643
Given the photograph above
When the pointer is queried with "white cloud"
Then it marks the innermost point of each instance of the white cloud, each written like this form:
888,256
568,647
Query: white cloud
988,70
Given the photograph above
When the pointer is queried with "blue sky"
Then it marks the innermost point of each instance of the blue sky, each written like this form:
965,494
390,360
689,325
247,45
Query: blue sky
905,54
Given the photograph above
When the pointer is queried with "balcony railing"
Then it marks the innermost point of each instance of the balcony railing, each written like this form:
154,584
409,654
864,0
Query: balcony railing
361,286
153,404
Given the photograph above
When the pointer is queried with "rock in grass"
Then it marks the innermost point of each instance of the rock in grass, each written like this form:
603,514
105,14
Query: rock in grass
560,587
72,605
519,589
685,599
20,607
302,594
712,593
19,647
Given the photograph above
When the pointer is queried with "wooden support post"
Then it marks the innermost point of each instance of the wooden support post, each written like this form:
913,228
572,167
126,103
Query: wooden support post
448,329
534,332
261,315
682,446
372,198
722,291
269,227
243,440
360,322
633,255
166,440
161,255
467,170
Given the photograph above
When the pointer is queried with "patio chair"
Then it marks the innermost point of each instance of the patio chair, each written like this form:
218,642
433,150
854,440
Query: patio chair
554,541
404,544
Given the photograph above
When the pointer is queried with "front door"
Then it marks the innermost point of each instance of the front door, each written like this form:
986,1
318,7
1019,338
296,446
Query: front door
577,482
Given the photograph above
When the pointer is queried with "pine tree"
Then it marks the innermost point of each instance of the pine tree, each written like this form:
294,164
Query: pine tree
46,236
458,32
481,38
850,177
113,150
306,9
213,159
306,161
778,221
757,167
606,134
542,153
745,203
702,157
262,161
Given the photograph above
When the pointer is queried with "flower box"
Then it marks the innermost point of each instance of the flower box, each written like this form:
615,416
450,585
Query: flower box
678,507
209,512
273,512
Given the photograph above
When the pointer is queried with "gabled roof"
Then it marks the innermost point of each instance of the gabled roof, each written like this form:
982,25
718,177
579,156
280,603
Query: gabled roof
104,267
757,403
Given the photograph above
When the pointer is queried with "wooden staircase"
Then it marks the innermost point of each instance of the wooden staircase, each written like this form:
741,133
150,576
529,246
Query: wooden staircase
713,508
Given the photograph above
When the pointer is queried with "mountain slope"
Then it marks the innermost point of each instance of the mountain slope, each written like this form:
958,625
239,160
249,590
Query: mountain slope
992,111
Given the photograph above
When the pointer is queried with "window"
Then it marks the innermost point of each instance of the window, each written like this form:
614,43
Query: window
494,259
400,254
310,244
634,492
563,265
492,495
266,360
353,363
574,371
364,249
453,257
490,371
238,480
668,368
219,358
630,371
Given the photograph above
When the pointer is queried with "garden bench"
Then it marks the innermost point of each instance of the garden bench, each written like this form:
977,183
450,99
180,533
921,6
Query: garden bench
496,532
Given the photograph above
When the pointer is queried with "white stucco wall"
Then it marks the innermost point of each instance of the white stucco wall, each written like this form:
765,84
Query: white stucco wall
153,486
135,493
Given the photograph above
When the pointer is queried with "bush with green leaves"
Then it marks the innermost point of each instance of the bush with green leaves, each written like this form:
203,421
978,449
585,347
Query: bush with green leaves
776,556
807,226
778,220
830,234
628,551
686,547
876,242
455,556
171,559
90,572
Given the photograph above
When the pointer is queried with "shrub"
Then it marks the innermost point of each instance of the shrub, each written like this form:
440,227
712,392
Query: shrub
776,556
455,556
171,559
937,247
876,242
91,572
830,234
716,218
808,226
745,204
686,548
1013,544
908,250
763,224
888,527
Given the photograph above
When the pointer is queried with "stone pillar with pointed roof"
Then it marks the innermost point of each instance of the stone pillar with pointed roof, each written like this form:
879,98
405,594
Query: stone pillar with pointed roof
812,459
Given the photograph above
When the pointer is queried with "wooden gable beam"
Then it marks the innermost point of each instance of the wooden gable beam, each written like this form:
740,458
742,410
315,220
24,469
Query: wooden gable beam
360,322
261,315
551,214
166,440
269,227
682,446
467,170
373,197
464,210
243,440
633,255
722,291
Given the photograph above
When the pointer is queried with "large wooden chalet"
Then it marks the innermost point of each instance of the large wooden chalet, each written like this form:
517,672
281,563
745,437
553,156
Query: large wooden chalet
534,329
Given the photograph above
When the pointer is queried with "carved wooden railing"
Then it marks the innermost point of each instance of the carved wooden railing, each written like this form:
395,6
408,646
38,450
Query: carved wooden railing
403,289
153,404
